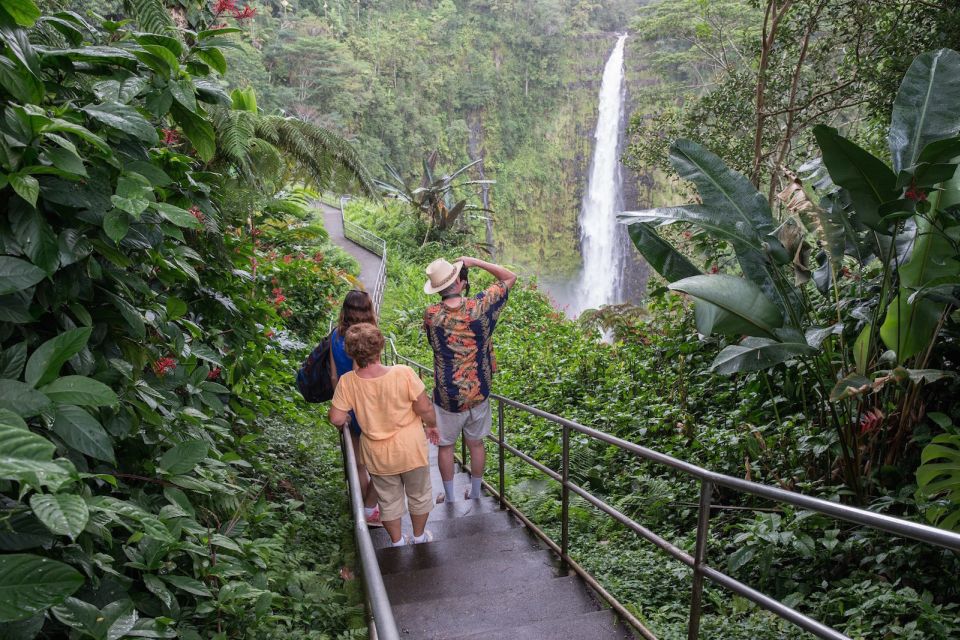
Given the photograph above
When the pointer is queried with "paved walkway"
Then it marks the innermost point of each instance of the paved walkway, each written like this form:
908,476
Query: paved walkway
369,261
485,576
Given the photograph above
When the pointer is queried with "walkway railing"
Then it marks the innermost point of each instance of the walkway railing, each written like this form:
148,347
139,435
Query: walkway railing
708,480
373,243
382,625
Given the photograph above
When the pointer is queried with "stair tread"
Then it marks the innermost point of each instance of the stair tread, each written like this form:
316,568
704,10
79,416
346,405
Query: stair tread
462,577
472,547
461,508
594,625
444,529
511,606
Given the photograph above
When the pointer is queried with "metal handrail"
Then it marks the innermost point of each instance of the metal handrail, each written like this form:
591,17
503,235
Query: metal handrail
708,479
383,625
373,243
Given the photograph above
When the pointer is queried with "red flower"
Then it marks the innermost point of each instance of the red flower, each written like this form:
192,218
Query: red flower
221,6
269,333
280,299
286,313
917,195
318,257
277,291
870,420
687,235
196,213
714,269
247,13
287,259
170,137
161,366
214,374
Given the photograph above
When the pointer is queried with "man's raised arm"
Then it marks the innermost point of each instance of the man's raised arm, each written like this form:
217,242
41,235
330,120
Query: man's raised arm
502,274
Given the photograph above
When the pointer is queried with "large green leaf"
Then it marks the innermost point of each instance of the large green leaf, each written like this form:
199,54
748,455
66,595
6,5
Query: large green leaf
26,458
23,12
176,215
113,622
46,360
12,360
123,118
65,514
925,109
867,179
198,130
717,222
152,525
22,399
183,457
80,390
30,583
757,354
17,275
911,322
939,475
83,432
721,188
660,254
749,311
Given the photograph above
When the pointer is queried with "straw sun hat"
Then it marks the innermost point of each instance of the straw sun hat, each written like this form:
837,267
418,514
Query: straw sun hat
441,274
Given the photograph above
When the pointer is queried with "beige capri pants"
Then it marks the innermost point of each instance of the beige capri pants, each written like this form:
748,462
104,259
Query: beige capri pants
390,491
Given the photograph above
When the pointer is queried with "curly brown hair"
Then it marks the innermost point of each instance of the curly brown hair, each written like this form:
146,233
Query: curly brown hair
356,308
364,343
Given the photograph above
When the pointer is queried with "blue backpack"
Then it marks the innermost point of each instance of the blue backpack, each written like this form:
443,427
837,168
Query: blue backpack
313,379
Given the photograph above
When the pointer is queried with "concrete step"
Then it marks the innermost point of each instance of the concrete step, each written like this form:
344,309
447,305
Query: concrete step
444,529
497,544
458,577
461,508
503,608
596,625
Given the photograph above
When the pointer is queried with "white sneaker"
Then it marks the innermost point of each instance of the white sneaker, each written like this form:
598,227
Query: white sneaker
426,537
402,542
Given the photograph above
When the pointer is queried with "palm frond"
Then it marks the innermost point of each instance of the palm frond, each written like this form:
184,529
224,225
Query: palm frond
316,149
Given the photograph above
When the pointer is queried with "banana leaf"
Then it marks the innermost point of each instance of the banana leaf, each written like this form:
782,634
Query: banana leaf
757,354
660,254
866,178
925,109
747,310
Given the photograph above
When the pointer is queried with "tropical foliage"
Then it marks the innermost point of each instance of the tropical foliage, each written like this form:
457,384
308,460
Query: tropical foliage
873,327
147,275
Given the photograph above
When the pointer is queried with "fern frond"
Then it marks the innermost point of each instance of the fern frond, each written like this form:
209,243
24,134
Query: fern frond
152,16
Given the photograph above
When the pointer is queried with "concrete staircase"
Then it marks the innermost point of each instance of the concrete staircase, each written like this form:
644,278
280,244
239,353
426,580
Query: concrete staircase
485,576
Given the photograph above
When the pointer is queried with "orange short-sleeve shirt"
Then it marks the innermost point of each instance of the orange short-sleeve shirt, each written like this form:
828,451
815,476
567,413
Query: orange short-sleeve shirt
393,440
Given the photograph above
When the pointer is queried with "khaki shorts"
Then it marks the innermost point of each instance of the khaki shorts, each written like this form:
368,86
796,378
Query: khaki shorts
390,490
475,423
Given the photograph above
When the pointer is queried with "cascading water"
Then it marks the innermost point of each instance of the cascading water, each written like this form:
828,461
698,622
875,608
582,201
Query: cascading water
601,238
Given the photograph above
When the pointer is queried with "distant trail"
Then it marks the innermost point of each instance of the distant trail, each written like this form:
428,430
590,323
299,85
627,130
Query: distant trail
369,261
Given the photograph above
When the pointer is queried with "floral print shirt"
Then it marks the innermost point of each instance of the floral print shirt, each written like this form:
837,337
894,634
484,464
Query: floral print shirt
463,358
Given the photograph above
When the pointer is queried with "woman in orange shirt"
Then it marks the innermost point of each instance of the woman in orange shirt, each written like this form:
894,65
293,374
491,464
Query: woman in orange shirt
396,414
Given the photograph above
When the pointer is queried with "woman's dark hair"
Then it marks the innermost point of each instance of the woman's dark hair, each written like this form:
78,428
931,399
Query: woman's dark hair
356,308
464,277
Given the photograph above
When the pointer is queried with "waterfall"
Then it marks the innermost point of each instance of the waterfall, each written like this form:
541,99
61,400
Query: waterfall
601,236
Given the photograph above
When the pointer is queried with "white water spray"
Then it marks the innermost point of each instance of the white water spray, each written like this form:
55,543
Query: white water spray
600,235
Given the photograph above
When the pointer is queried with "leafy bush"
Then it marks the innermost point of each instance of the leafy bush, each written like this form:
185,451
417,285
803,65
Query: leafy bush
137,347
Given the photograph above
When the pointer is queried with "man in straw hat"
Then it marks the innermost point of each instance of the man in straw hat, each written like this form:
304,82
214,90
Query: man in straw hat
460,329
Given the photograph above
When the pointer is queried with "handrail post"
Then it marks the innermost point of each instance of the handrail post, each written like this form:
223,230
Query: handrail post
700,559
565,500
500,440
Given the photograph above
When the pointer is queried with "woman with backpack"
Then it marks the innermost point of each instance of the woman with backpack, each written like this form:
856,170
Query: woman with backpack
357,308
